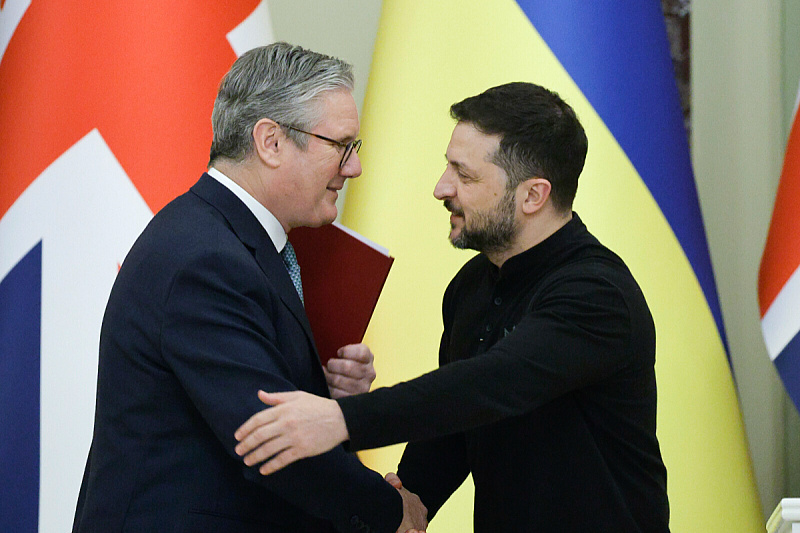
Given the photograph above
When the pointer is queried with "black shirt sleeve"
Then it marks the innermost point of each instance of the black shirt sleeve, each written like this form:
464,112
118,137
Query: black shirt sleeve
576,333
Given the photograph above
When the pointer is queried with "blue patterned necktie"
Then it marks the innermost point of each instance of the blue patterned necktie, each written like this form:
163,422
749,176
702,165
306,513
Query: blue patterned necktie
290,260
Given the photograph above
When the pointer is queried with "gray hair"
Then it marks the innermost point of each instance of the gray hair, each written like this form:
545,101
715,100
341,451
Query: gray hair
281,82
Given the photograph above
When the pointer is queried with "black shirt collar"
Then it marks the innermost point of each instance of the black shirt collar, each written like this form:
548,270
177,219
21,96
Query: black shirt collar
545,253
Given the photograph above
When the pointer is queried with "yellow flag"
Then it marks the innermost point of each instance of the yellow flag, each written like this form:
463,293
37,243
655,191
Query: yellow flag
429,55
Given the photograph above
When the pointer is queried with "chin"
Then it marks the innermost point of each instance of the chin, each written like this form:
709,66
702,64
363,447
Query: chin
327,217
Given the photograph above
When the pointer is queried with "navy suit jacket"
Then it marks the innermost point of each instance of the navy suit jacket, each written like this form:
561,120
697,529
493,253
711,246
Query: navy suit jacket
202,315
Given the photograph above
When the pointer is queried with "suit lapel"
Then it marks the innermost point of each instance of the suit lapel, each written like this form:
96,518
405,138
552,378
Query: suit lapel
253,235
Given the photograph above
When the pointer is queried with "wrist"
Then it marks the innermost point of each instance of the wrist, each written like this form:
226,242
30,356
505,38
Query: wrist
339,426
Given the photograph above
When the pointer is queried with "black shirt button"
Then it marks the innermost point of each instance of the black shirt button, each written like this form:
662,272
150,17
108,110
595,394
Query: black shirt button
498,301
488,327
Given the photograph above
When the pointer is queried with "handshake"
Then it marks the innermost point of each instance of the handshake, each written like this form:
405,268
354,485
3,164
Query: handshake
298,425
303,425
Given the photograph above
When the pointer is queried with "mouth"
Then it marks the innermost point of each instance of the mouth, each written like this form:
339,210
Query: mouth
334,186
455,212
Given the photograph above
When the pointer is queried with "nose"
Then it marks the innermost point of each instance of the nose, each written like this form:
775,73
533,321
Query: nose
352,167
445,187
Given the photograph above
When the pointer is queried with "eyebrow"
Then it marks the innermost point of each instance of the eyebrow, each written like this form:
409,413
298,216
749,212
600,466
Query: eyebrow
344,140
458,166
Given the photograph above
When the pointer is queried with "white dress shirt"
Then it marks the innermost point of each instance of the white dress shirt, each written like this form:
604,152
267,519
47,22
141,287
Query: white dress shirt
265,218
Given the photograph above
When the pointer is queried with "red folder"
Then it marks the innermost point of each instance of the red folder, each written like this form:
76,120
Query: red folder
343,275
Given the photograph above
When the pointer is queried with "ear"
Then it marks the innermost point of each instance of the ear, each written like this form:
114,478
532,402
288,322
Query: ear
269,142
535,192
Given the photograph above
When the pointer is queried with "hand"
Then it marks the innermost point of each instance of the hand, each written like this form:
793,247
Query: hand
351,371
415,514
300,425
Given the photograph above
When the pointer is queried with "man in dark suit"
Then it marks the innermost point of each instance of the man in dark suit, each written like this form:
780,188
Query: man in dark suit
205,311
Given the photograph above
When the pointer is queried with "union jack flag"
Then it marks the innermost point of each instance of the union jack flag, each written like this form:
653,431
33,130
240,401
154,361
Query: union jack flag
779,275
104,117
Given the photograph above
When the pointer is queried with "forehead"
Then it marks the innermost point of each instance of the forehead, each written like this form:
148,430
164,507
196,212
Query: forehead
338,112
470,146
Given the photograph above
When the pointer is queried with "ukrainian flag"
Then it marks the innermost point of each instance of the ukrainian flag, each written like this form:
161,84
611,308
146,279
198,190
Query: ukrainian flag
610,61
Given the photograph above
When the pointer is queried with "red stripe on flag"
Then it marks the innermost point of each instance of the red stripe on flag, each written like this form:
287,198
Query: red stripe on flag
145,75
782,251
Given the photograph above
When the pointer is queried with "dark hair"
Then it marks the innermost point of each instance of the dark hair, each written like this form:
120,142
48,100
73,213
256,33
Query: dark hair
540,135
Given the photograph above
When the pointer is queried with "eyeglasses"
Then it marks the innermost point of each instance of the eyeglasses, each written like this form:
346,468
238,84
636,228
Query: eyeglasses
349,147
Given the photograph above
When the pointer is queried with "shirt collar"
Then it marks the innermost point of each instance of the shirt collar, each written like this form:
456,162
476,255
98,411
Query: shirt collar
271,224
546,252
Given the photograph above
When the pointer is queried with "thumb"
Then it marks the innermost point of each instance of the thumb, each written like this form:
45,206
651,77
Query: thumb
393,480
273,398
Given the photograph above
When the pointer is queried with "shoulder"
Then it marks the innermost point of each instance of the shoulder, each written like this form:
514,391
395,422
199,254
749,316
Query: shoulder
588,259
189,226
596,289
600,273
188,239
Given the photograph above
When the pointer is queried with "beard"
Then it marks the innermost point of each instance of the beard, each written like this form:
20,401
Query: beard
492,231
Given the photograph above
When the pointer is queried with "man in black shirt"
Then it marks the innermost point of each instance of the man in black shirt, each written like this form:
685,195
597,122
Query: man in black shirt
546,392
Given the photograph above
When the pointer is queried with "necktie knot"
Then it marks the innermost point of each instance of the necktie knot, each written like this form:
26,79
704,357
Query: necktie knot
290,260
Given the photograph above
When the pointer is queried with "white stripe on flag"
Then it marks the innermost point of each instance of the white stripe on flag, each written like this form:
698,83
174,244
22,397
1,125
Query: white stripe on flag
10,17
87,214
781,322
254,31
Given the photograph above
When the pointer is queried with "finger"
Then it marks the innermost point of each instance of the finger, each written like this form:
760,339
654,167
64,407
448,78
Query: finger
352,369
281,460
341,381
347,367
261,418
341,385
257,436
334,372
266,450
275,398
393,480
356,352
339,393
353,378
